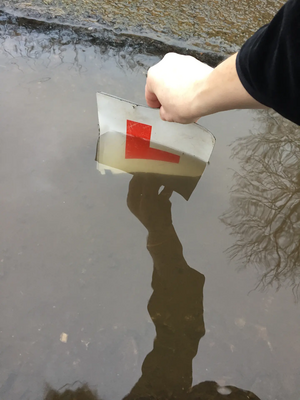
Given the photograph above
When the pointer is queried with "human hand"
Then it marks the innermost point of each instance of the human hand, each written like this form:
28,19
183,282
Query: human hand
152,208
173,84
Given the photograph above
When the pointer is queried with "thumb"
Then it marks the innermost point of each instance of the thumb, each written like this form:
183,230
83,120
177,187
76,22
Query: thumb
164,115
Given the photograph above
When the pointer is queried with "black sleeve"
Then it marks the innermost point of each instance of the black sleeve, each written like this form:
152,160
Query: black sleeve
268,64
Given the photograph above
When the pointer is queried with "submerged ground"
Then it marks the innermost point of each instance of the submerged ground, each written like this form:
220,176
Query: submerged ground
75,273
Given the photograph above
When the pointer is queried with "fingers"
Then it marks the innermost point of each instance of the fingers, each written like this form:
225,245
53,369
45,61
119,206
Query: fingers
151,98
164,115
175,85
153,102
161,88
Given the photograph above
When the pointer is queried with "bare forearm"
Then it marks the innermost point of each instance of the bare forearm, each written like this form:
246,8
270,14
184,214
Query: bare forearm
222,90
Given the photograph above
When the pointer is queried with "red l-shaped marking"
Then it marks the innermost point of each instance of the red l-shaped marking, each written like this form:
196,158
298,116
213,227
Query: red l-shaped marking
138,144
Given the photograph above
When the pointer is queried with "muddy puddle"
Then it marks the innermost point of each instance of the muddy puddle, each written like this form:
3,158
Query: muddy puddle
84,295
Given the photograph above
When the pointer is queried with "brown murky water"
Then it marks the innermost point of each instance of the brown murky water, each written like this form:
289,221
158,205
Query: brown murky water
216,25
75,269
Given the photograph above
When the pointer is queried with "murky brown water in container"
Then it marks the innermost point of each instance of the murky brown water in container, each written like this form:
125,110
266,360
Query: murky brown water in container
75,271
216,25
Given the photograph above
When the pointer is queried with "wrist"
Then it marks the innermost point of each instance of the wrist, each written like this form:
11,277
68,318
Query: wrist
222,90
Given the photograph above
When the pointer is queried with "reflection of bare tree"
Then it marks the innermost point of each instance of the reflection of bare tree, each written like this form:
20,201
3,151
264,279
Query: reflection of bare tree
264,214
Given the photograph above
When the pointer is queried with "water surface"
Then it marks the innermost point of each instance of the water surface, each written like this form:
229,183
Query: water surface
73,255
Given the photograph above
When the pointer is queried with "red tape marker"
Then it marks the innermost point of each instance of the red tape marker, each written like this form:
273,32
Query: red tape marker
138,144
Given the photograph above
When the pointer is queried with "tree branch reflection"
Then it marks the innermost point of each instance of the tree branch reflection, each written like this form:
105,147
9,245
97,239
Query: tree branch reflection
264,212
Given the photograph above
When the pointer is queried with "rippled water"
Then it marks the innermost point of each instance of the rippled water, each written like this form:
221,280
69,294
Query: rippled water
216,25
82,295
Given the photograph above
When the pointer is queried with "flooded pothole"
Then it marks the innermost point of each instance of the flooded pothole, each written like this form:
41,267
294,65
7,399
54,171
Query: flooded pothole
92,304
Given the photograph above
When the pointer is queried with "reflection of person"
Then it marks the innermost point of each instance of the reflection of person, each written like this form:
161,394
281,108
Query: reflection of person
176,309
265,73
176,305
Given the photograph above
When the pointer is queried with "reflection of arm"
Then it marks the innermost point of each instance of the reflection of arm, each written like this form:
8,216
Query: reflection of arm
165,247
176,305
176,308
